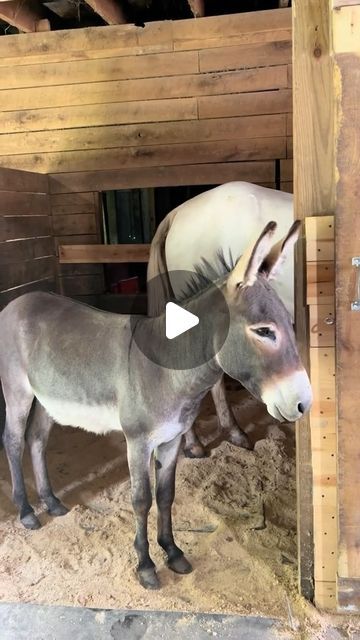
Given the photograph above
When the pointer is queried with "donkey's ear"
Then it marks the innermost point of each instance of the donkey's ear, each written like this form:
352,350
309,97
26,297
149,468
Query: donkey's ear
246,269
275,259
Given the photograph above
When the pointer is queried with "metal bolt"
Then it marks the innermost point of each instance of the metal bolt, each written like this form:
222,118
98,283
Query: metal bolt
329,320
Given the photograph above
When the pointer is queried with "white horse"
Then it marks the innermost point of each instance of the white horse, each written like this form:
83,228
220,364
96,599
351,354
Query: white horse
218,225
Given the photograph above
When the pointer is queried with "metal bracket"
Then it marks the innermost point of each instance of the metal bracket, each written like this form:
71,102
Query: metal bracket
355,305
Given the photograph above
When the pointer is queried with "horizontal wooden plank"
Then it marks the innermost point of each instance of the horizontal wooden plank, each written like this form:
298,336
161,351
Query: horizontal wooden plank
24,181
257,126
102,253
18,250
249,56
289,123
245,38
320,293
48,284
247,149
74,224
289,147
152,33
20,203
18,227
320,271
321,250
319,228
13,275
107,92
322,334
231,25
81,285
262,102
65,200
121,68
166,176
98,115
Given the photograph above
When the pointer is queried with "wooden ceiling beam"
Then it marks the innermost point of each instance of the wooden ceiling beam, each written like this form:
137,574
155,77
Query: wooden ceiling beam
108,10
25,16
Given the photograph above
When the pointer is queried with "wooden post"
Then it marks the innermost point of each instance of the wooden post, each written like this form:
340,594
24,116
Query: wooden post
313,195
346,36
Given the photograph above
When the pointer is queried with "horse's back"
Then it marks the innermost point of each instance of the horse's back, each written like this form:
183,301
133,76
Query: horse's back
226,219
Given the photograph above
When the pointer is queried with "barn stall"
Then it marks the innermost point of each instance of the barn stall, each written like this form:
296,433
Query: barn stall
88,113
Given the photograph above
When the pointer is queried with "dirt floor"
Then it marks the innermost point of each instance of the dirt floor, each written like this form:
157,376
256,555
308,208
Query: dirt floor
234,517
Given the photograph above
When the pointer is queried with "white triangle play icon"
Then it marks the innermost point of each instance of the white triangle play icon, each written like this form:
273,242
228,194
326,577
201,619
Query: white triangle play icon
178,320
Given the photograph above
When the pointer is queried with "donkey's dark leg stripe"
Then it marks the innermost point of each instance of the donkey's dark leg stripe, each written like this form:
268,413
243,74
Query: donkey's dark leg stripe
139,466
17,411
166,455
37,436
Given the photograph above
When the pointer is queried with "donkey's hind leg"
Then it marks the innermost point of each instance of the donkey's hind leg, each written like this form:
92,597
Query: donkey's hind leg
37,436
227,421
18,406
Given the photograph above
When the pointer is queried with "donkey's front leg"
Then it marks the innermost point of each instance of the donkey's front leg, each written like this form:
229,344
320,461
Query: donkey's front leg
227,421
165,466
139,455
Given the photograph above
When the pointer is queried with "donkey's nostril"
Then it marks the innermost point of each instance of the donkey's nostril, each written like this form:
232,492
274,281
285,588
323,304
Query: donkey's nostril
301,407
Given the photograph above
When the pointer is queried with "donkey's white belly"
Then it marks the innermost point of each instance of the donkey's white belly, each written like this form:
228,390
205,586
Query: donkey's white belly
97,419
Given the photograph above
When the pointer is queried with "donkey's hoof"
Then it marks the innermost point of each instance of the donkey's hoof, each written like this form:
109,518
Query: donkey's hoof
180,565
148,579
239,439
30,521
195,451
58,510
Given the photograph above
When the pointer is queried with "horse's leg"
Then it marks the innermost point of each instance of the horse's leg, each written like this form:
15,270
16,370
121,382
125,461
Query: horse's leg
226,418
139,455
165,468
18,406
37,436
193,447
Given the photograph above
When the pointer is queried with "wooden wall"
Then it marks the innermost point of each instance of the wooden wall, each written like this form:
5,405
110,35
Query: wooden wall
27,253
76,219
346,36
130,102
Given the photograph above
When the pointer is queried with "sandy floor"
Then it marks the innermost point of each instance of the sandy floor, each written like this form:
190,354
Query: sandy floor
234,516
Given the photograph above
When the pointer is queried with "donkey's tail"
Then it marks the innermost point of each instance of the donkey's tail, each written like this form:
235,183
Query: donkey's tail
159,285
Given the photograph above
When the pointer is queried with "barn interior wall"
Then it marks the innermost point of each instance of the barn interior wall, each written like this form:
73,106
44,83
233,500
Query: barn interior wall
27,250
185,102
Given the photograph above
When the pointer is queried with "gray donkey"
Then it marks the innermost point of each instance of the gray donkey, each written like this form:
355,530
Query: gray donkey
66,362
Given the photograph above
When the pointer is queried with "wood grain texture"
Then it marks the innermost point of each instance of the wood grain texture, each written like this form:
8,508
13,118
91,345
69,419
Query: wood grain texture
176,132
347,76
126,36
159,88
247,149
313,194
103,253
207,173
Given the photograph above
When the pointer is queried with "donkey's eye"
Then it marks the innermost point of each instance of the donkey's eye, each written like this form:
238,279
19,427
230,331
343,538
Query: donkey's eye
265,332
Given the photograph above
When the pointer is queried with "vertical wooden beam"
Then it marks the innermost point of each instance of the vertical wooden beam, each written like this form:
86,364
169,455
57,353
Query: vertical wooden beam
346,35
313,195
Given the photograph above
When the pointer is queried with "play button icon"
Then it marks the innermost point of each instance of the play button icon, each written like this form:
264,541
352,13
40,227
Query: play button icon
187,325
178,320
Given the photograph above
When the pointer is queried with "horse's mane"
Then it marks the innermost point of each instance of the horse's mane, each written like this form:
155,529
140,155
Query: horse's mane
206,273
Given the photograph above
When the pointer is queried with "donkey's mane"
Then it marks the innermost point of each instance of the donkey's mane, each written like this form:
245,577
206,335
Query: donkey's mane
205,274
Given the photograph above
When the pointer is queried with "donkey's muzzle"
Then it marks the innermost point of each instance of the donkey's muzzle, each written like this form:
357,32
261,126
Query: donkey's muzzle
288,398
